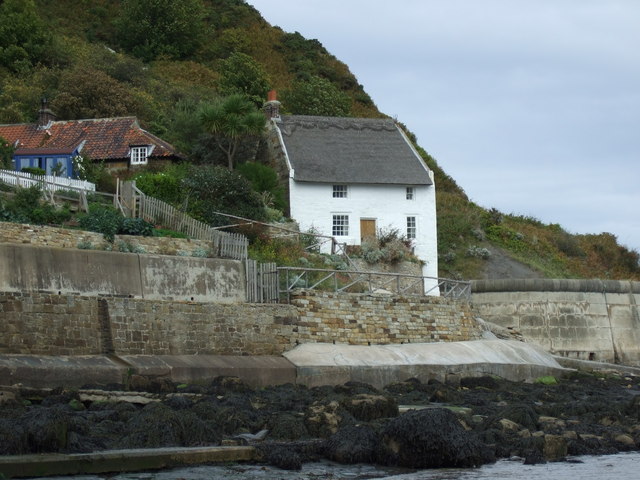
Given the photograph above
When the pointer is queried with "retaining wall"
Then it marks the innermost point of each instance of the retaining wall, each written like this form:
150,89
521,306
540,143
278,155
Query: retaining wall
51,324
583,319
45,236
358,319
27,268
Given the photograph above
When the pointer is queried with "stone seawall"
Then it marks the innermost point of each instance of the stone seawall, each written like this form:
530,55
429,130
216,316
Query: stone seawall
382,319
583,319
50,324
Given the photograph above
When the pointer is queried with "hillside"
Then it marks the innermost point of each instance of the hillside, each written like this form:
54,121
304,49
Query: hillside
107,60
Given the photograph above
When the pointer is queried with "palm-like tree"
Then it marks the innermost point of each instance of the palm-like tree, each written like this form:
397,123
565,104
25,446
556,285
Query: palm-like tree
230,121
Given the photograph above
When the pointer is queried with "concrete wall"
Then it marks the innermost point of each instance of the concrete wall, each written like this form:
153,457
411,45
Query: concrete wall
584,319
27,268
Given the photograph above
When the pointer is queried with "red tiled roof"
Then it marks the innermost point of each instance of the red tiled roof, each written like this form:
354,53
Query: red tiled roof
104,138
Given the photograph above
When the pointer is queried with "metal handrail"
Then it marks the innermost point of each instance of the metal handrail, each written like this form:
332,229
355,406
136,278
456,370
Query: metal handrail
293,276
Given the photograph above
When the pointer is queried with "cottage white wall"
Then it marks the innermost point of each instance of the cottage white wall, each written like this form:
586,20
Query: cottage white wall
313,206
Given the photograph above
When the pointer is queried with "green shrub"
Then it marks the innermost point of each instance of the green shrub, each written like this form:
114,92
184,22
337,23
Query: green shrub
165,185
34,170
136,226
102,219
264,179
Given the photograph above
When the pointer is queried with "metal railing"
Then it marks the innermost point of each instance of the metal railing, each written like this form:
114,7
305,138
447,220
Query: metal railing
351,281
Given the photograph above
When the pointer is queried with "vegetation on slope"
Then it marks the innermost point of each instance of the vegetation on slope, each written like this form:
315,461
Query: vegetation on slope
107,59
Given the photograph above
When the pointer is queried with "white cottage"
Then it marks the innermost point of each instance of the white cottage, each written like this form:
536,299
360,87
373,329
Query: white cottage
350,177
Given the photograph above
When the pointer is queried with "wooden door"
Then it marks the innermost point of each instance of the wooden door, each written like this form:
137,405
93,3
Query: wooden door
367,229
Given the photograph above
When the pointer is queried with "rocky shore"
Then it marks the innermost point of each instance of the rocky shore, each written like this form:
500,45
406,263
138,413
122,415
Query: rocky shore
409,423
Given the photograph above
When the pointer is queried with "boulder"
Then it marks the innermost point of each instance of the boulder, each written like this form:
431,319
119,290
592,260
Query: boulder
555,448
353,444
323,419
366,407
430,438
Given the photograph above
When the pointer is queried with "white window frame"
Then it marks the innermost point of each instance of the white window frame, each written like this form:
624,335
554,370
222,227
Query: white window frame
410,193
340,225
139,155
340,191
412,227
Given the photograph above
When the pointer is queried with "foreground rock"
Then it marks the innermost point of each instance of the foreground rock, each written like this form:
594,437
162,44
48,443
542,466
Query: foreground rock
431,438
460,425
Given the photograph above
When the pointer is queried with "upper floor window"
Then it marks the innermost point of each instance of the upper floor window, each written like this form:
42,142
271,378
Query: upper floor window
411,193
340,225
339,191
411,228
139,155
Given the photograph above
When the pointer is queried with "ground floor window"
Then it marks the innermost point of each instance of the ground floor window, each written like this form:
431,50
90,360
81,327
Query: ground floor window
411,228
340,225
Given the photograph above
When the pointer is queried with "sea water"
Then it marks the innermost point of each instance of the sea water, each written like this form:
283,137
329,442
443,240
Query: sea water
621,466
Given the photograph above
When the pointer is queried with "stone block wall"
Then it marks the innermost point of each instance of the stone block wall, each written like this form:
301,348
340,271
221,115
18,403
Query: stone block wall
45,324
382,319
68,324
45,236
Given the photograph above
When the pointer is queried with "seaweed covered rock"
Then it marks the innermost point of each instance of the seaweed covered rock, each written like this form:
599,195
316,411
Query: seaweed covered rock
323,419
157,425
430,438
285,426
353,444
366,407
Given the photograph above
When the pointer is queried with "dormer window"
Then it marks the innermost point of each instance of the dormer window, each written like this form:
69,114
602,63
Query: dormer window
139,155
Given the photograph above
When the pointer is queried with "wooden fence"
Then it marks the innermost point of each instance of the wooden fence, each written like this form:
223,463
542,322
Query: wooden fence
262,282
138,205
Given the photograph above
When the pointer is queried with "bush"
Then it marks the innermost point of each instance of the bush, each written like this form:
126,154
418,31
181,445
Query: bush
264,179
102,219
27,207
216,189
136,226
34,170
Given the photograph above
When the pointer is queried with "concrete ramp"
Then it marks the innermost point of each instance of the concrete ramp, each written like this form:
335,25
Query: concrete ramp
379,365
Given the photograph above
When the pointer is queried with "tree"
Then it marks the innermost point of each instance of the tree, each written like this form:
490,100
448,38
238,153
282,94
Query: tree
6,154
317,96
230,122
150,28
242,74
24,38
85,92
214,189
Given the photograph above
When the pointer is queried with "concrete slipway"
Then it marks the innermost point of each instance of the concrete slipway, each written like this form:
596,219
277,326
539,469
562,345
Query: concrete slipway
380,365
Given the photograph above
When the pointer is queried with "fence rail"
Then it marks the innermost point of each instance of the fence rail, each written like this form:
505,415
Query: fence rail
224,244
293,278
48,182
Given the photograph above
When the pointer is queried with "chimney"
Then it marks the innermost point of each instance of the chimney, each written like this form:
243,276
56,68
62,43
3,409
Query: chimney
272,106
45,116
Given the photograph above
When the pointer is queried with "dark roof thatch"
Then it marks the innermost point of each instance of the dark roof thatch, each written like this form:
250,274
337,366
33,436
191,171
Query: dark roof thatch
350,150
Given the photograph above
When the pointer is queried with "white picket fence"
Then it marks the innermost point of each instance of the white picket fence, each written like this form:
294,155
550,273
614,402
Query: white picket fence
224,244
49,183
